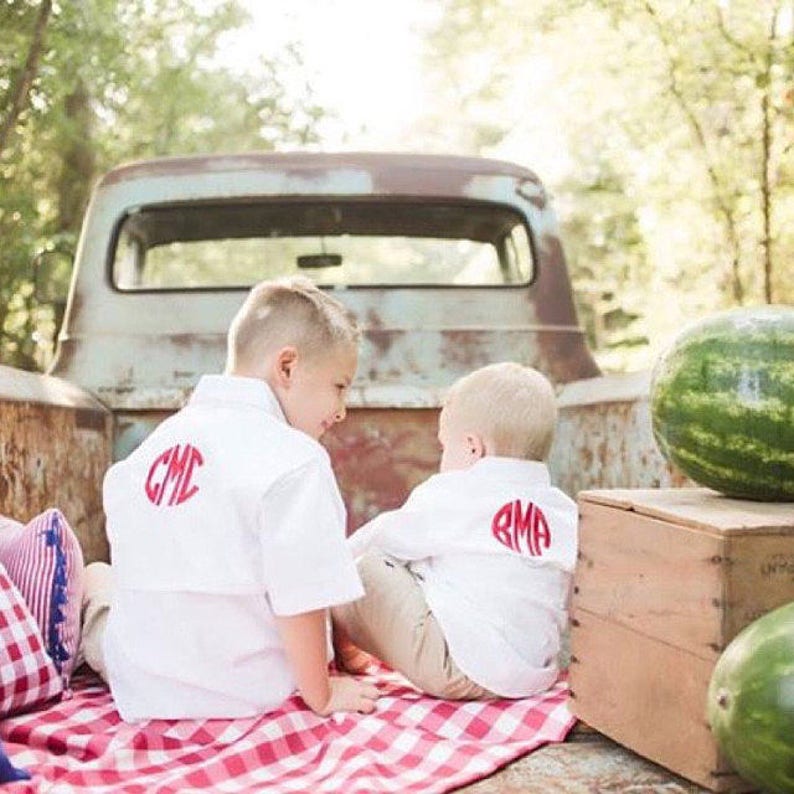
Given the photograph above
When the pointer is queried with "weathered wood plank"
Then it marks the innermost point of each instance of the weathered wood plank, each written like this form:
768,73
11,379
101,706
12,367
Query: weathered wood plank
647,695
653,577
700,508
665,580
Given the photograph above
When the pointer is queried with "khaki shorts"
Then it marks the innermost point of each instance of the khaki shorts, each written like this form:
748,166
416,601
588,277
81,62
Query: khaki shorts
393,622
97,594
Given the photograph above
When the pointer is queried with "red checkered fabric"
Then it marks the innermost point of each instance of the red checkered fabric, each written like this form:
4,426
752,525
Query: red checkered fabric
28,676
411,743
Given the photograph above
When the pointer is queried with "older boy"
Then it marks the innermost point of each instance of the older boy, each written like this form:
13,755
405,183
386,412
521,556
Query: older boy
467,583
227,529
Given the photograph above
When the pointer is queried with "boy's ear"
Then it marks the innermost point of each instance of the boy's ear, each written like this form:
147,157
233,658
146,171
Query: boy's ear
284,365
475,446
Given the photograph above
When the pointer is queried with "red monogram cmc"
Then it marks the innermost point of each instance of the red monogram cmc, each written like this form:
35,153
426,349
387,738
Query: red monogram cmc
170,480
524,531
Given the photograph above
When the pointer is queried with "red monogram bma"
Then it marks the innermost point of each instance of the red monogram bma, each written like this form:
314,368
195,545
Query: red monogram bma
526,532
172,474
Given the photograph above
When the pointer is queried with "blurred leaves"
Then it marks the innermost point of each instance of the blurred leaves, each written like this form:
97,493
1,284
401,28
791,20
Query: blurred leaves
663,128
664,131
118,80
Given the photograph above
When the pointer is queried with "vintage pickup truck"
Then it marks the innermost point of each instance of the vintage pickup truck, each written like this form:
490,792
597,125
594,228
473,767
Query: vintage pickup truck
448,263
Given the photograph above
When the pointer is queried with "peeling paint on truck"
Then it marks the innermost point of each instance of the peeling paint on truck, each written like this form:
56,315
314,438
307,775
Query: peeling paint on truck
140,351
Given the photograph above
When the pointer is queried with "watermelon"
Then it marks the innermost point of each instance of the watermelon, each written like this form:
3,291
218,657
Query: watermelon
722,403
750,705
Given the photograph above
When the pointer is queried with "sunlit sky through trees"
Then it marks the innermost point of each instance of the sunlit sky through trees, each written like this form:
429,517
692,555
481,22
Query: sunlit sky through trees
663,129
362,60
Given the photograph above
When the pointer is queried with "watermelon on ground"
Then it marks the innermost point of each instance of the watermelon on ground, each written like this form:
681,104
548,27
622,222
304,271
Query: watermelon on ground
722,403
750,705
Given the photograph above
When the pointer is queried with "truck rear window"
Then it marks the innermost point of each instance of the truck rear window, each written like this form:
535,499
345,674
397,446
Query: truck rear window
333,241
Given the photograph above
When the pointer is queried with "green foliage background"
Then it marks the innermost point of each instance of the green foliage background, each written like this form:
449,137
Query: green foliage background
116,80
664,129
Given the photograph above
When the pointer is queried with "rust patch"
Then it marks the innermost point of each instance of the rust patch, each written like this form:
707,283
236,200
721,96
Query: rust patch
85,419
464,350
568,354
609,445
47,459
551,301
409,174
537,201
538,198
374,322
380,455
195,340
552,294
382,340
177,166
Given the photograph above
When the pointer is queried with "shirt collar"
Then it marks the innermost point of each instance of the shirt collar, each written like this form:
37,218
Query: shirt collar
527,471
237,390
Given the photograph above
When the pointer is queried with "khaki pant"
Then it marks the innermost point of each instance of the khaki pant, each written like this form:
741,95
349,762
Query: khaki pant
393,622
97,594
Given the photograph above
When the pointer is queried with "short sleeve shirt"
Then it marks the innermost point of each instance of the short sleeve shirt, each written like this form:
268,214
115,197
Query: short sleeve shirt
224,517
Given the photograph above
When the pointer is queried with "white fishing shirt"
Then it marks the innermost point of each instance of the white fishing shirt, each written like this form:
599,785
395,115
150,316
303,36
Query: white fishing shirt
223,517
493,547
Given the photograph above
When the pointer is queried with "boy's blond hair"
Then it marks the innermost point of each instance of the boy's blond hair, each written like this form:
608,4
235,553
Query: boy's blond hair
287,312
512,406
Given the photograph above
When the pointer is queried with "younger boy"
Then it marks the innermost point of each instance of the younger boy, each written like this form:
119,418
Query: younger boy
467,583
226,529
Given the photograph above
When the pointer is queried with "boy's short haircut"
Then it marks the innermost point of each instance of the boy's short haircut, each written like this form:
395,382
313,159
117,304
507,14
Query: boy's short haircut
511,405
288,312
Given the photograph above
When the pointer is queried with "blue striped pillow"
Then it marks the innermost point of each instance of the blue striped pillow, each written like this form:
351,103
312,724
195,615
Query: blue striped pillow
44,560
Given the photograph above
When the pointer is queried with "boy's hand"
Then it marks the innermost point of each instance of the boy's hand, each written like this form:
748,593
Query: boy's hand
304,638
348,694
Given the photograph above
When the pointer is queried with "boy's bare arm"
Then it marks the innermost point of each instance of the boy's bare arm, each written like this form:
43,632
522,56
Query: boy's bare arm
304,638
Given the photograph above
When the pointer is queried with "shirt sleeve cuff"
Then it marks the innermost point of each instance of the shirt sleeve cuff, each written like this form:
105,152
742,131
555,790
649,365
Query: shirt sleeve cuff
315,595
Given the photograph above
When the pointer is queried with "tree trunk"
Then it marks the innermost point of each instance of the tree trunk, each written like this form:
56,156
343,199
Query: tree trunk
767,112
724,206
79,161
18,93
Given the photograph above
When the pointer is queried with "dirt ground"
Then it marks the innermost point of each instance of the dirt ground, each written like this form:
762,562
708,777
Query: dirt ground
586,763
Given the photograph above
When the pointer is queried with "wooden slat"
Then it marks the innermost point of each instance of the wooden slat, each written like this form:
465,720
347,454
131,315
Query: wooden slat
653,577
700,508
760,579
647,695
665,579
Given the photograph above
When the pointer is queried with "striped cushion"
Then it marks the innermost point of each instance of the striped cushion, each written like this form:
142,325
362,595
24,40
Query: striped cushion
44,560
28,677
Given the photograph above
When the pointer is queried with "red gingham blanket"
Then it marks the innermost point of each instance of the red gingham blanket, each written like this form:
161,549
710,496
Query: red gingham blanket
411,743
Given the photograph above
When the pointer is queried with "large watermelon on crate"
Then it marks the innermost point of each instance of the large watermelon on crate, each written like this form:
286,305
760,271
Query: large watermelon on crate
750,704
722,403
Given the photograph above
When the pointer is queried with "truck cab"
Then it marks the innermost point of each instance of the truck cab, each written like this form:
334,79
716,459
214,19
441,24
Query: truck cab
448,264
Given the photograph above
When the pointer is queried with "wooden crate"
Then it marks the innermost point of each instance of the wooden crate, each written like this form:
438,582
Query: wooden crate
665,579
